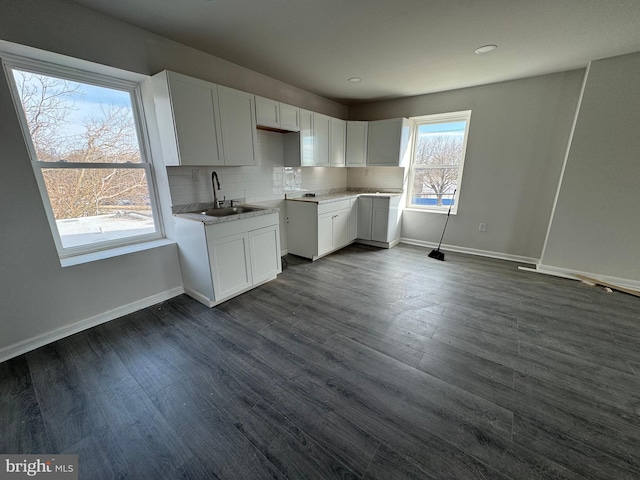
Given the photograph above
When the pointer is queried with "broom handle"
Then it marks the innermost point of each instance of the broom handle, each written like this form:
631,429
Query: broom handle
447,220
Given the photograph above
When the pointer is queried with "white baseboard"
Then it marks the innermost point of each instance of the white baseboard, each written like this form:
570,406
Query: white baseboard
374,243
568,273
472,251
32,343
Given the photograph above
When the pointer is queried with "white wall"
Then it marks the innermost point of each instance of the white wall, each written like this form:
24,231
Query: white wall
596,222
40,300
517,139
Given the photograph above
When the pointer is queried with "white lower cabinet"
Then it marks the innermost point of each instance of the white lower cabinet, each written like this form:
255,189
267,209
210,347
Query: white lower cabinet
333,231
353,219
314,230
230,265
220,261
379,220
262,244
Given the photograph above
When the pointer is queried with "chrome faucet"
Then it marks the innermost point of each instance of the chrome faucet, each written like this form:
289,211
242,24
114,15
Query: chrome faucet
214,182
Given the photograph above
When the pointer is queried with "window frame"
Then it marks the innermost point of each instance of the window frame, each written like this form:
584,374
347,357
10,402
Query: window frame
109,80
463,115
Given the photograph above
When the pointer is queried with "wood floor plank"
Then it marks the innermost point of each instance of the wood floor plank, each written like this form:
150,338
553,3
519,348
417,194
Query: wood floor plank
22,428
68,409
334,432
99,456
568,450
222,450
390,464
575,401
294,453
368,363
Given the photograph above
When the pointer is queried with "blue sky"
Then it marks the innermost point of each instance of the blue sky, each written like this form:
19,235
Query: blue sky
450,128
87,103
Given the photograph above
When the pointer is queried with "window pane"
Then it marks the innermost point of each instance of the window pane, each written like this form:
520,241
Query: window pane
94,205
434,186
77,122
440,143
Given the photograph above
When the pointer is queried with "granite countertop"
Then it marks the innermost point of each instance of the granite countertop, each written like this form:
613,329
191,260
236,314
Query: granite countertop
186,211
336,197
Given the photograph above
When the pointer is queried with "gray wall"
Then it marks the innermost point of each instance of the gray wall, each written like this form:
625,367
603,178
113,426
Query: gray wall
517,140
37,296
596,223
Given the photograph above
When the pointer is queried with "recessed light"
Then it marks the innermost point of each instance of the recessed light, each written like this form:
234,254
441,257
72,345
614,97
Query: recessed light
354,79
485,49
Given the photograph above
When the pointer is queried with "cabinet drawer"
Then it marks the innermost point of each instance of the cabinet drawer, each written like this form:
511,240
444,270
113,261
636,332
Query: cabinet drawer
225,229
333,206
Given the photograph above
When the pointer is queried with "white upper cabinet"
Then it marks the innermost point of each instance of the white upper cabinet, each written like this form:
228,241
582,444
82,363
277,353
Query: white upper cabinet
321,131
298,147
356,150
201,123
267,112
272,114
321,142
337,142
306,138
188,120
238,125
388,143
289,117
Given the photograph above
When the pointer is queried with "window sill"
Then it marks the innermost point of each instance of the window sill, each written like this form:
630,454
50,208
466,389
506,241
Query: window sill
424,210
114,252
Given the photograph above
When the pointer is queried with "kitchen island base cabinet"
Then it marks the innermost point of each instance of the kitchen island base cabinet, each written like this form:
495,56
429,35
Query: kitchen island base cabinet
315,230
221,261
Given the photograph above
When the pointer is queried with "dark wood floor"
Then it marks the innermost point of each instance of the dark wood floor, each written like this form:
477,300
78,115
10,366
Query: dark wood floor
375,364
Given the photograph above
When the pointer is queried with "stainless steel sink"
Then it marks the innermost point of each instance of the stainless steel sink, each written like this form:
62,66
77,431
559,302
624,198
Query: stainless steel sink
225,212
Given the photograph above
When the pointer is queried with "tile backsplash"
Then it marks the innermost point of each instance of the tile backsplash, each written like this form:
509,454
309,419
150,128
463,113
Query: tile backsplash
270,180
255,183
383,178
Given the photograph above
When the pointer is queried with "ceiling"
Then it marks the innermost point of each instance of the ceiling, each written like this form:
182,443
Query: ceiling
398,47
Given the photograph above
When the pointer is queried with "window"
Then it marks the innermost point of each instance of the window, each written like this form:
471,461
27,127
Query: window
438,158
84,132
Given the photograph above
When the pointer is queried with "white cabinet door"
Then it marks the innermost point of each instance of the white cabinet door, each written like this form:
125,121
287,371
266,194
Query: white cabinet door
380,220
337,141
265,254
306,138
333,231
388,142
267,112
230,265
238,125
325,233
365,210
289,117
188,120
356,150
340,229
353,219
320,140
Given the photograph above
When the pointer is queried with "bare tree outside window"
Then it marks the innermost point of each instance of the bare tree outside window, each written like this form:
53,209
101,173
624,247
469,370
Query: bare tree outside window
437,163
443,151
86,144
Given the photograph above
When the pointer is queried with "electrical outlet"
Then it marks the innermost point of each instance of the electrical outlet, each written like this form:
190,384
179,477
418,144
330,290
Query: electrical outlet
482,227
195,175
